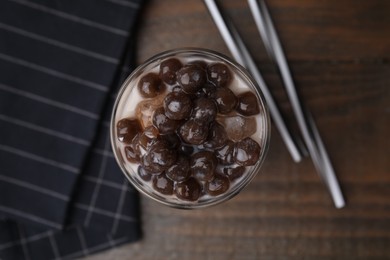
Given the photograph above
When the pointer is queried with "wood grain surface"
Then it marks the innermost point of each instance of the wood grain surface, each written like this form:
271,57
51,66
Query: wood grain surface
339,55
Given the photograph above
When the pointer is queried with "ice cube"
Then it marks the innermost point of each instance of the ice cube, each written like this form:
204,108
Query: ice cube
146,108
238,127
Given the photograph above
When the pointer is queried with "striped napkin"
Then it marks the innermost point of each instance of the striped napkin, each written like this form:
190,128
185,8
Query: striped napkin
62,195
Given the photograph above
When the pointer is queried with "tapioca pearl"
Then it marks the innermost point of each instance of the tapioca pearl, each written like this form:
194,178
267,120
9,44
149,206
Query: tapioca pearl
177,105
168,69
219,74
202,165
180,171
162,184
247,104
246,152
225,99
218,185
191,78
217,136
148,165
127,129
193,132
189,190
150,86
204,110
159,157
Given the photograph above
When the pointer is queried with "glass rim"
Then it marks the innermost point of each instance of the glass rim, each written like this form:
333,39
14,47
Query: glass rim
241,183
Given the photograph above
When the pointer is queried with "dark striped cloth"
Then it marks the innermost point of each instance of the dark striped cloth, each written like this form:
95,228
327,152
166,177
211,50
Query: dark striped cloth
62,195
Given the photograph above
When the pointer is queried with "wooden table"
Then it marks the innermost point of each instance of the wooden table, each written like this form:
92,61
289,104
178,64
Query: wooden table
339,55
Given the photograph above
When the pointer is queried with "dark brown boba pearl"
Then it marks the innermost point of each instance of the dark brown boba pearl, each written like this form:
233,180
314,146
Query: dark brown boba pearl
150,85
246,152
131,155
218,185
233,172
225,99
189,190
191,78
163,184
168,69
180,171
217,136
178,105
193,132
202,165
247,104
164,124
225,153
159,157
144,174
127,129
148,165
205,110
219,74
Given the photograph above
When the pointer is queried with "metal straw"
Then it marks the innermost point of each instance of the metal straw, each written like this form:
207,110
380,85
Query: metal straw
307,126
242,56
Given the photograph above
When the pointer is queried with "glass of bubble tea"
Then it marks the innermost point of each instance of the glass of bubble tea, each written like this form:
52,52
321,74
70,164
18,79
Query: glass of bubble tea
190,128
